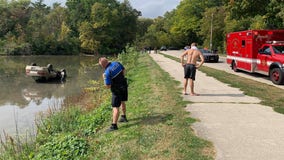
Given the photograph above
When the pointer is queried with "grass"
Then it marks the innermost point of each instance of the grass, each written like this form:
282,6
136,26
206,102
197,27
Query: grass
268,94
158,127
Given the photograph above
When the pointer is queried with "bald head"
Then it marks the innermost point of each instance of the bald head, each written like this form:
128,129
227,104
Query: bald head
103,62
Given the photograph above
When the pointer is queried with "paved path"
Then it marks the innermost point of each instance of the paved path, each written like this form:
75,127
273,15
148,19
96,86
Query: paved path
239,127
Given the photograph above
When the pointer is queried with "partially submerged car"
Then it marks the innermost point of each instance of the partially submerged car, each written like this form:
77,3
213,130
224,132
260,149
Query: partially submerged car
209,56
45,74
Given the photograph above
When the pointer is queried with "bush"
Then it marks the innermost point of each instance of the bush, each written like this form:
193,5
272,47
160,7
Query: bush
12,48
61,147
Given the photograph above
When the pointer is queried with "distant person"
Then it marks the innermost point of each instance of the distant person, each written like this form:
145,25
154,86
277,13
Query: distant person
115,80
156,50
190,67
149,50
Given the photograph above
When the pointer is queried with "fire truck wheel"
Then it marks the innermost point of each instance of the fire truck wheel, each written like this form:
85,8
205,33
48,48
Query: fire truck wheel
234,67
276,76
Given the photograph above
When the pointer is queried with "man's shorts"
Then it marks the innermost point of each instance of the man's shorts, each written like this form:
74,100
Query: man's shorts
189,71
117,98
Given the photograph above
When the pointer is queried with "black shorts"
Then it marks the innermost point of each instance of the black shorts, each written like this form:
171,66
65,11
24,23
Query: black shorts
189,71
117,98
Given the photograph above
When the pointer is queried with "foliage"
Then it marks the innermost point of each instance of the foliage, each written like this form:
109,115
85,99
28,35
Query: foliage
128,58
191,22
35,28
48,31
111,27
214,16
63,147
108,26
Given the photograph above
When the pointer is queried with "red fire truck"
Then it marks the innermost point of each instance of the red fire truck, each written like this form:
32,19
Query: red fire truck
257,51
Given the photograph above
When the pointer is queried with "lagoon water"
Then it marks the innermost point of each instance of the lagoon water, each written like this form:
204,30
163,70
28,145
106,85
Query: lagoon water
22,99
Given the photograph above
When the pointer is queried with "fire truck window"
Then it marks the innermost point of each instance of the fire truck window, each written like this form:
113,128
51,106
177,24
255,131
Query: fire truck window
243,43
267,50
278,49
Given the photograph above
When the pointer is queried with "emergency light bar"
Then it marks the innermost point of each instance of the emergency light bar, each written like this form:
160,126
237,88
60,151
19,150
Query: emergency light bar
272,42
256,33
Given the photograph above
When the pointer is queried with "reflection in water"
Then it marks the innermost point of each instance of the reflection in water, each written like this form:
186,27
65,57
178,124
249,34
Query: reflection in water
37,92
22,119
21,97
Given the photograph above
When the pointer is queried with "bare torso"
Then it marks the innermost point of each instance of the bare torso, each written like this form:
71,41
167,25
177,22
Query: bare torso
192,56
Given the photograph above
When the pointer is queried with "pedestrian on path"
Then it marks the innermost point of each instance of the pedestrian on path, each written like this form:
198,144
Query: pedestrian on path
190,67
115,80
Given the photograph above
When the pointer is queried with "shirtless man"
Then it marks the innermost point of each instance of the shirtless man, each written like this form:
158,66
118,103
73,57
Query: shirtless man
190,67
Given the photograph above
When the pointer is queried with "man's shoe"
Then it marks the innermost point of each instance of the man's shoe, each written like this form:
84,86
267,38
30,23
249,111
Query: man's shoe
113,127
123,119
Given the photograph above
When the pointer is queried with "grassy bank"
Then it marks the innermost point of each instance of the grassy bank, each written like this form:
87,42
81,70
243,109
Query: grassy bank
158,127
268,94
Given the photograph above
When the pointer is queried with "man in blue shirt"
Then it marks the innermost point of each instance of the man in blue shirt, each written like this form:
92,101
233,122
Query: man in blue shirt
115,80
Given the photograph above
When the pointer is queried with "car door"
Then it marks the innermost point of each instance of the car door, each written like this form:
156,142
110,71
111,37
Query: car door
262,59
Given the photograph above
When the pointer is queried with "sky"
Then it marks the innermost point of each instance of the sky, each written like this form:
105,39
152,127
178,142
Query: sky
154,8
149,8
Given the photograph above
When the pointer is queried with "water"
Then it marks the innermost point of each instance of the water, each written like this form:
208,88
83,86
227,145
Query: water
21,98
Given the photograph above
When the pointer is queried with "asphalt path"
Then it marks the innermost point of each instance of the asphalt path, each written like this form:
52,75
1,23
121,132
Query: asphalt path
238,126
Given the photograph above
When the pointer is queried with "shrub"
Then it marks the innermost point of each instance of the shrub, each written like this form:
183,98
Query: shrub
63,147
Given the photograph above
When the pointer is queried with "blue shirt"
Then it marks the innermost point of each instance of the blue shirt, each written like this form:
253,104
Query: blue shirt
112,70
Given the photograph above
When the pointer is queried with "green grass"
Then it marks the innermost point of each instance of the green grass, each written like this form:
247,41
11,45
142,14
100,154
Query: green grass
158,127
268,94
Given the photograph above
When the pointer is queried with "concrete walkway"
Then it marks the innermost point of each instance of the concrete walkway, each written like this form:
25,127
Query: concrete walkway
238,126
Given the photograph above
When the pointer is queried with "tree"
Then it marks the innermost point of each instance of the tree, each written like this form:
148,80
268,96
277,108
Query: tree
14,17
245,14
88,43
212,28
274,15
142,26
187,20
78,11
36,25
127,25
113,26
48,31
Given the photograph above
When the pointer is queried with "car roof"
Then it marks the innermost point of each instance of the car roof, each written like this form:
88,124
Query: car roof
205,51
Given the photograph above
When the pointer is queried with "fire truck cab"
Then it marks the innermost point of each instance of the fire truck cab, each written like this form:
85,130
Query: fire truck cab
257,51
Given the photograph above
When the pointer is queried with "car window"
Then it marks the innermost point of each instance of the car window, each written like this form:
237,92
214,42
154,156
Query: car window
278,49
204,51
267,50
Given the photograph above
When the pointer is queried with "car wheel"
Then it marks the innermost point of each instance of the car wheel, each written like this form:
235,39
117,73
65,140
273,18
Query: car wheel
234,66
276,76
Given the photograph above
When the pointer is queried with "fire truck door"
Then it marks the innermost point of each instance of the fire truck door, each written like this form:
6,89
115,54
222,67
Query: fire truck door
262,58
